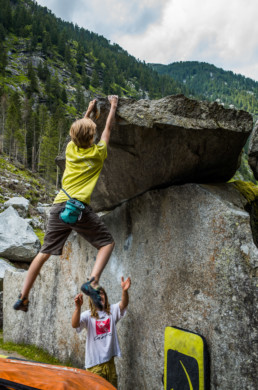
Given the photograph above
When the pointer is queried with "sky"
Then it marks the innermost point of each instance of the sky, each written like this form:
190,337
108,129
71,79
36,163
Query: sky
220,32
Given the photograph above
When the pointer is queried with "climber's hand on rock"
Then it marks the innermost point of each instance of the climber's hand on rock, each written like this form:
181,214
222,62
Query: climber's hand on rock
113,100
90,108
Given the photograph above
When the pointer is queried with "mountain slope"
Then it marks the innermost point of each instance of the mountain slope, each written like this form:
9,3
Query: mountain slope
49,70
208,82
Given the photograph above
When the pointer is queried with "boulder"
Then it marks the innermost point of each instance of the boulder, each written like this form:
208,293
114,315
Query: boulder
4,265
190,253
36,222
18,242
20,204
172,140
253,151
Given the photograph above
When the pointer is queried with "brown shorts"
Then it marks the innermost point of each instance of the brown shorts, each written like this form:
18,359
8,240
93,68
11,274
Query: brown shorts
89,227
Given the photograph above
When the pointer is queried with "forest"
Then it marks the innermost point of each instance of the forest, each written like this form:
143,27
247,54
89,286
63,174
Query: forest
207,82
50,69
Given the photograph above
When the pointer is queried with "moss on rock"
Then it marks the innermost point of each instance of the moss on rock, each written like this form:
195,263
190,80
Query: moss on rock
250,191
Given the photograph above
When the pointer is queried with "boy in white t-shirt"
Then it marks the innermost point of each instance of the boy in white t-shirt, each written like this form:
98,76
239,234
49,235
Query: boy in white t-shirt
102,341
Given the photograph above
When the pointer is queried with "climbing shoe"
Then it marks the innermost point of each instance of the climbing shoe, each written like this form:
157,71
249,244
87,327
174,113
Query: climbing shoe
93,293
21,304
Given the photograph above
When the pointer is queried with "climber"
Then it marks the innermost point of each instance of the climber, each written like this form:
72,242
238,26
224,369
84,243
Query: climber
102,341
71,209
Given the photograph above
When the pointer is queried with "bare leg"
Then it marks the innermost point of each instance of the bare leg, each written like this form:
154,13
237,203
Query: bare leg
33,272
101,261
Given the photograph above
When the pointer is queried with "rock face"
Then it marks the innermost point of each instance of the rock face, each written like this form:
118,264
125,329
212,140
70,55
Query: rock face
190,253
4,265
171,140
253,151
18,242
20,204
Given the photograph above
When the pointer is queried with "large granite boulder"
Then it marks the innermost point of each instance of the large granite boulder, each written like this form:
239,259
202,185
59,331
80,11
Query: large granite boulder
171,140
4,265
190,253
253,151
18,242
20,204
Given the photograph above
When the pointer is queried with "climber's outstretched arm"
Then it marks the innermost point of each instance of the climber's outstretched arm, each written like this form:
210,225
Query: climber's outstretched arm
113,99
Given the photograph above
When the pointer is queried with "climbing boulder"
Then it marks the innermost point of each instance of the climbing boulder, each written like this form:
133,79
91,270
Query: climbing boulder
253,151
18,242
172,140
190,253
4,265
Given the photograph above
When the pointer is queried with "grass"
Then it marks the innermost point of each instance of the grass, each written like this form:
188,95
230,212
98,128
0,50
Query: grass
5,164
40,235
30,352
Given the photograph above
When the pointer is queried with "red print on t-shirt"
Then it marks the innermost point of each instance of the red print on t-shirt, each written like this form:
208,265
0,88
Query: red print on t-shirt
103,326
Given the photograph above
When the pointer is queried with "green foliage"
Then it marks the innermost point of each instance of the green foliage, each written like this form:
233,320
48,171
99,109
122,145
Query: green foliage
250,192
207,82
245,172
80,48
30,352
40,234
31,74
95,79
68,55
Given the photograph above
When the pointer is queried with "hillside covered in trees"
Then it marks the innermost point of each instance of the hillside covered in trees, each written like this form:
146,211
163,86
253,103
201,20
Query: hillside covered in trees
207,82
50,69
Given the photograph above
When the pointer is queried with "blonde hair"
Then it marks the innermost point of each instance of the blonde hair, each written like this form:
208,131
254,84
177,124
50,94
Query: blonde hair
82,132
94,310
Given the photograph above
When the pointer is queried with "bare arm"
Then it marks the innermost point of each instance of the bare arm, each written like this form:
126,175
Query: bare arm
125,296
78,300
90,108
113,99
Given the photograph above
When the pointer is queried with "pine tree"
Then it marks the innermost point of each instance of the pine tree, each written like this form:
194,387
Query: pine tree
48,151
80,100
33,86
7,18
61,47
85,79
33,43
2,33
3,59
95,79
64,96
46,43
13,122
3,114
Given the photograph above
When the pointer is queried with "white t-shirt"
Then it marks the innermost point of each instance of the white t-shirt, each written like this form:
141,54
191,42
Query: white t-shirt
102,340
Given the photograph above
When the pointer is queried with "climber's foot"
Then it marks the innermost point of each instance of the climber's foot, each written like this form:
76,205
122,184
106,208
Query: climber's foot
93,293
21,304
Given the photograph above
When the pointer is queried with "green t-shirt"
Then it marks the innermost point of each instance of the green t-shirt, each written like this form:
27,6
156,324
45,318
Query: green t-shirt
82,170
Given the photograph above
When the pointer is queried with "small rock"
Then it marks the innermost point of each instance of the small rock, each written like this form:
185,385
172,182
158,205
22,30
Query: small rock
17,238
20,204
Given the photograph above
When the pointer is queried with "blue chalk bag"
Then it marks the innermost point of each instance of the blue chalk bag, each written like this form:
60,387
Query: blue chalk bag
72,212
